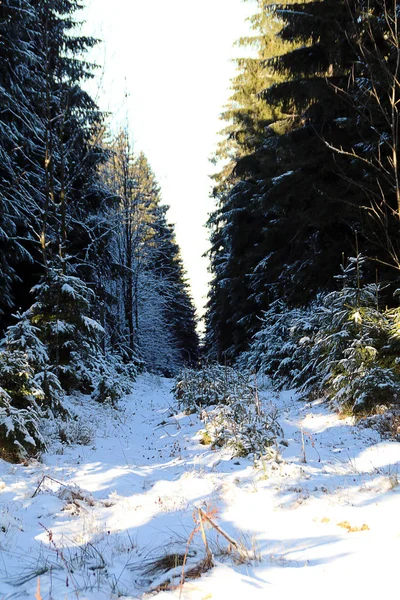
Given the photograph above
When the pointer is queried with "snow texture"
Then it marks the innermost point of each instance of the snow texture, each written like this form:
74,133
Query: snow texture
89,521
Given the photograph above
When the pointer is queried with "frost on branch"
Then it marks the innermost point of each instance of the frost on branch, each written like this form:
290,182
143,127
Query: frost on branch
24,336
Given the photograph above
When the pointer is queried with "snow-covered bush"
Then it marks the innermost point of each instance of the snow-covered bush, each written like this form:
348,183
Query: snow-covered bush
230,406
386,422
17,379
53,393
19,430
31,391
243,426
19,409
213,384
343,346
113,379
354,354
77,431
54,347
23,337
281,348
62,313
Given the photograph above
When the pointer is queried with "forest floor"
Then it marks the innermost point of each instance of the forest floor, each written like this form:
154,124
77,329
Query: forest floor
114,518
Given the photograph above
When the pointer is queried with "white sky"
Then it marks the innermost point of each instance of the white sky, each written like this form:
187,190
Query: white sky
167,68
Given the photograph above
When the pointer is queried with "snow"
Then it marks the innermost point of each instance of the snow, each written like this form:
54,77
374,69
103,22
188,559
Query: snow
89,519
68,290
278,179
92,325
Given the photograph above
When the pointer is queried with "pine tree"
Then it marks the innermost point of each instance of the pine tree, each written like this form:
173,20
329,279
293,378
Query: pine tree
20,144
62,313
231,255
154,313
283,224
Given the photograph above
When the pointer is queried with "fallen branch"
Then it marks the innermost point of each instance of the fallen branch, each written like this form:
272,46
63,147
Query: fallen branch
237,545
41,482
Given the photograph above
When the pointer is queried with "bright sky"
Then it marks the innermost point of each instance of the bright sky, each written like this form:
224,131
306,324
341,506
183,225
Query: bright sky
167,67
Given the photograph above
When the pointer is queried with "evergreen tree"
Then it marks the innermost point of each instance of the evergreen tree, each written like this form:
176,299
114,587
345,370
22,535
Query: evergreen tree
289,208
154,313
373,94
63,313
49,188
20,143
52,213
234,224
180,313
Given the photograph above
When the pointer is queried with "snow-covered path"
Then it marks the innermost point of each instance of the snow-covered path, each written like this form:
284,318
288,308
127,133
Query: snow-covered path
103,513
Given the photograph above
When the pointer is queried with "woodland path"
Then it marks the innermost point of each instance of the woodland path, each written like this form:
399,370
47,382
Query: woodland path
104,512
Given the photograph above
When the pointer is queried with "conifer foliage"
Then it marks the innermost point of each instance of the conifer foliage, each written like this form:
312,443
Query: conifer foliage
344,346
310,180
92,283
156,314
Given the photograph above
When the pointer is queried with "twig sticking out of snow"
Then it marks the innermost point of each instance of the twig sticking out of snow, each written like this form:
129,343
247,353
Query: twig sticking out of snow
237,545
42,481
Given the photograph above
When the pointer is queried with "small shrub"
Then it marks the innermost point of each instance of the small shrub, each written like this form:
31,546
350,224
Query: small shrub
229,404
112,379
52,392
281,348
19,430
107,390
214,384
205,439
20,397
386,422
76,432
242,427
343,347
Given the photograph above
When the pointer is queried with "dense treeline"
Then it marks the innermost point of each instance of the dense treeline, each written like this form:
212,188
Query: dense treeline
93,285
310,178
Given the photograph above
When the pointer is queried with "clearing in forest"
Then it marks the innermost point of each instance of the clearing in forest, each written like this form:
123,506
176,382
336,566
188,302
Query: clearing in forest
118,515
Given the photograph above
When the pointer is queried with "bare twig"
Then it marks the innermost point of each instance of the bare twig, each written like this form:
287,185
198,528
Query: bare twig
237,545
41,482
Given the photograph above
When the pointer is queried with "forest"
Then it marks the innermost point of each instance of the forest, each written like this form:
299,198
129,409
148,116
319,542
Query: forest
99,335
93,284
305,236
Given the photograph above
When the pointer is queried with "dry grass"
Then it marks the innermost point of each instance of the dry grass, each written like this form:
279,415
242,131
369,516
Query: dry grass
351,528
165,563
38,594
202,567
174,564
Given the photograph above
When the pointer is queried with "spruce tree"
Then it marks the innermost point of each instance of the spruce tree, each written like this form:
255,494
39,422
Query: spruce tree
153,312
247,116
179,312
285,217
21,169
49,188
